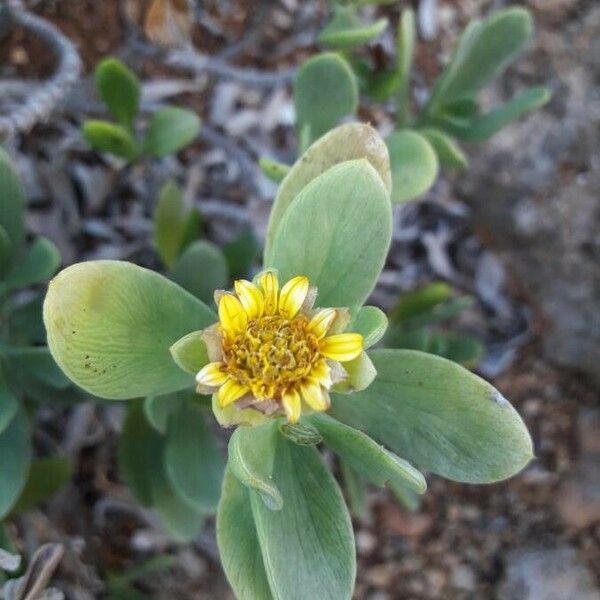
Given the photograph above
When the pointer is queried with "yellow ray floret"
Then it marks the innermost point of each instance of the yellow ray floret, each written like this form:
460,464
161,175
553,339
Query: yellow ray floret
273,351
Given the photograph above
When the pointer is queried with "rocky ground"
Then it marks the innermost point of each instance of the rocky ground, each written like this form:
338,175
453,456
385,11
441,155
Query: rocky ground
519,230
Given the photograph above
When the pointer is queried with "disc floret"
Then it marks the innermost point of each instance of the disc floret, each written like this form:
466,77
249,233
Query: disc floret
271,351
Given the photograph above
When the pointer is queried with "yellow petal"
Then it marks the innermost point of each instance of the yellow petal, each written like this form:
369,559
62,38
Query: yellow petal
251,297
270,287
292,405
315,395
229,392
212,375
322,321
232,315
292,296
342,347
321,373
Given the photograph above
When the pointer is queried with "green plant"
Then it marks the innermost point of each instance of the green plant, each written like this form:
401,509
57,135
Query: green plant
415,315
28,373
326,90
168,130
286,376
177,228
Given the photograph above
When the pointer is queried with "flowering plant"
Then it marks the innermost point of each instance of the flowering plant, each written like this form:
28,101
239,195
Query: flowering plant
287,376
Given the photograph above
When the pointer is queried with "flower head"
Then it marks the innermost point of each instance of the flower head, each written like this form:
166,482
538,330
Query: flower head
272,351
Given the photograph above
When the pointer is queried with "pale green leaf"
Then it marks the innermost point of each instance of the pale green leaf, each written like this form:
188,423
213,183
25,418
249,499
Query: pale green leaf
448,151
484,50
38,265
482,127
12,209
110,137
346,30
158,409
325,91
347,142
141,456
120,89
371,323
110,326
317,236
175,224
308,546
201,269
193,462
238,542
190,352
439,416
171,129
15,450
251,457
414,165
8,403
46,477
374,462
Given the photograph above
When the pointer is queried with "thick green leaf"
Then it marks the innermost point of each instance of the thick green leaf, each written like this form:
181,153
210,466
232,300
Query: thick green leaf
193,462
251,457
39,264
273,169
347,142
414,165
175,224
439,416
325,91
25,321
374,462
241,252
109,137
405,47
110,326
201,269
46,477
158,409
8,403
140,453
12,209
317,236
449,153
462,349
180,519
120,89
371,323
485,126
141,457
190,352
170,130
15,450
308,546
420,301
37,363
238,542
484,50
355,489
5,246
361,374
346,30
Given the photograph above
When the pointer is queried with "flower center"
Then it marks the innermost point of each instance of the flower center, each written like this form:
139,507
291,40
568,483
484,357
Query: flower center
271,354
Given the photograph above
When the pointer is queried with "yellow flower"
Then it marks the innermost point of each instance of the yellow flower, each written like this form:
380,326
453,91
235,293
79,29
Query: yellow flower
272,352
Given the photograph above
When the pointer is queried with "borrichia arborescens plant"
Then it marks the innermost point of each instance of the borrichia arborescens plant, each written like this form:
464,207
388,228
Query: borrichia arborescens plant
287,359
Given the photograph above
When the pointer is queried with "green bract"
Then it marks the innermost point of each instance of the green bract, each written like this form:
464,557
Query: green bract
284,532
